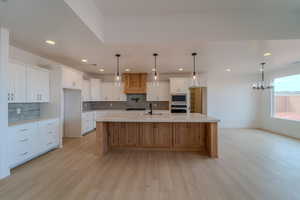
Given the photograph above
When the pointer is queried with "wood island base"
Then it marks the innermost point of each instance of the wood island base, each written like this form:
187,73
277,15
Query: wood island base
199,137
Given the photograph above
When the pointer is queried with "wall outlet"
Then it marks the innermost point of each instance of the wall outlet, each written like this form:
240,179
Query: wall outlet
111,105
19,111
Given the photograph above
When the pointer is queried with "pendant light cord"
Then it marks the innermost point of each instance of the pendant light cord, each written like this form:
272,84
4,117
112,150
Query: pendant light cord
194,59
118,64
155,67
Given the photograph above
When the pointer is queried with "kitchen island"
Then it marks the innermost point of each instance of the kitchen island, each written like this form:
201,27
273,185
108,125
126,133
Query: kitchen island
160,131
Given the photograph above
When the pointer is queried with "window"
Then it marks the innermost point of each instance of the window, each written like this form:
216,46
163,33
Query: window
287,97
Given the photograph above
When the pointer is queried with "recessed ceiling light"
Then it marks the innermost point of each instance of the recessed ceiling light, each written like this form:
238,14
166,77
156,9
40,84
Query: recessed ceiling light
267,54
228,70
50,42
84,60
180,69
127,70
101,70
153,69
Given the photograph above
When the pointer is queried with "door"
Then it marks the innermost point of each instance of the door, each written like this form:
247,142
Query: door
162,135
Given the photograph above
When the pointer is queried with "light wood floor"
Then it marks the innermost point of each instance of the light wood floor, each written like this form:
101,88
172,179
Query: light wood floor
252,165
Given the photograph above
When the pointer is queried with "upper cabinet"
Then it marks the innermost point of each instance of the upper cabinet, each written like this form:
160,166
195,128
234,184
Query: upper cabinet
111,92
135,83
28,84
37,84
72,78
160,92
16,82
86,90
179,85
95,90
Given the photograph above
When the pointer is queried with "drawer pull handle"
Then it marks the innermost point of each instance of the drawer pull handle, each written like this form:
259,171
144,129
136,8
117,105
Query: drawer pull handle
24,140
23,154
22,130
49,143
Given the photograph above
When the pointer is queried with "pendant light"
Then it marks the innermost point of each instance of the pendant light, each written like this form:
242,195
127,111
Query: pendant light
262,85
118,77
194,75
155,76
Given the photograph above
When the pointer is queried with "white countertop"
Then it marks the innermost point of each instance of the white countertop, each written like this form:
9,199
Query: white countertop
30,121
157,117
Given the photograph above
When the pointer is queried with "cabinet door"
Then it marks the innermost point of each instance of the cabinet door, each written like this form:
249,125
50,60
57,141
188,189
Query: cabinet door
44,85
22,143
38,84
86,90
16,83
197,134
71,78
135,83
129,134
146,135
162,134
181,135
95,89
163,91
119,94
114,132
32,85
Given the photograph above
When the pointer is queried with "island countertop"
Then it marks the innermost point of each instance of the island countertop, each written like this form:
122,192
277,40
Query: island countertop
156,117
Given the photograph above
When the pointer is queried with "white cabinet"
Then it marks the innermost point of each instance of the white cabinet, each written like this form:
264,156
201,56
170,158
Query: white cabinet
31,140
95,89
179,85
16,82
86,90
72,78
160,92
37,84
21,143
111,92
48,135
88,120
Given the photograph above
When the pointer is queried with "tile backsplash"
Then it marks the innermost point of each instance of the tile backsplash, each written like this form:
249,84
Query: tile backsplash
23,111
133,101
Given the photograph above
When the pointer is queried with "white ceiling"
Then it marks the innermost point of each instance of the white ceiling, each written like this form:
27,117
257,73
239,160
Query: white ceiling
233,34
175,7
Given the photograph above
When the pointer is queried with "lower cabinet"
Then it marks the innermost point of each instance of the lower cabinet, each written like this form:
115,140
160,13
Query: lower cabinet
130,134
189,135
88,122
31,140
144,135
156,135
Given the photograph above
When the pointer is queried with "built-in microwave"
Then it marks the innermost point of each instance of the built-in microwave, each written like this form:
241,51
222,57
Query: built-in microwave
179,103
178,98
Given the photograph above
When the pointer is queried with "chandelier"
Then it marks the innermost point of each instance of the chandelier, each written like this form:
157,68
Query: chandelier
262,85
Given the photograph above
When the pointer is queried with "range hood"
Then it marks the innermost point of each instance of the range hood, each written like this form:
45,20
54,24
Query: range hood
135,83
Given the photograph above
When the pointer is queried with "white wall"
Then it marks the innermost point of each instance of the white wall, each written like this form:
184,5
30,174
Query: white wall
232,100
287,127
4,51
29,58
